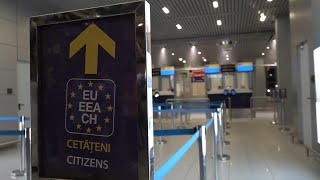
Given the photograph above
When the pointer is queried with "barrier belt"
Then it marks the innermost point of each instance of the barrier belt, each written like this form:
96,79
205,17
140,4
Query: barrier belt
185,110
176,157
11,133
174,132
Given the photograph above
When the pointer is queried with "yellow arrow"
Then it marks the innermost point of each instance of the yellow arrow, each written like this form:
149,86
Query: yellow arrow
92,37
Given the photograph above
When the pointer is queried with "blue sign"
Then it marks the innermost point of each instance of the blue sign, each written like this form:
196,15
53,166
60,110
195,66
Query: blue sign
212,70
244,68
89,107
167,72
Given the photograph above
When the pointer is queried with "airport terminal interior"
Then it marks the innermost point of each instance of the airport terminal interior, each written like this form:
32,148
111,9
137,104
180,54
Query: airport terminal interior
160,89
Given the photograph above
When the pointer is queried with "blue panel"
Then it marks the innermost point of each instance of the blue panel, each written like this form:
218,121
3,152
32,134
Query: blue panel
247,68
167,72
211,70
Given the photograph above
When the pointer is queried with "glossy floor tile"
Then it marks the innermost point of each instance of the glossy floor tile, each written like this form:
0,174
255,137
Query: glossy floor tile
258,152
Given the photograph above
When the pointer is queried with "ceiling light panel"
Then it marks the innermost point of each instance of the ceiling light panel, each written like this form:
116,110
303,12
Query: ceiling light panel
165,10
215,4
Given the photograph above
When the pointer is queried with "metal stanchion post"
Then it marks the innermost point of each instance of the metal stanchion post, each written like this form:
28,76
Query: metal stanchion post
222,127
230,109
172,116
28,153
202,153
283,127
21,171
224,119
221,156
160,141
215,146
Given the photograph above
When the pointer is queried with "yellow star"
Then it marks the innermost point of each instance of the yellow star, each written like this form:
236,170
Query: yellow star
106,120
90,84
99,128
78,126
69,106
108,96
73,94
71,117
88,130
110,108
100,87
80,86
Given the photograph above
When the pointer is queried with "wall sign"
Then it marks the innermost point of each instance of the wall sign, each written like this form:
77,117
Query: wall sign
94,95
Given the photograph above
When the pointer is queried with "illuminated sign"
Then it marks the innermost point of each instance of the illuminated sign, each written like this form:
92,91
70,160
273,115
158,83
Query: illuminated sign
245,67
167,71
212,69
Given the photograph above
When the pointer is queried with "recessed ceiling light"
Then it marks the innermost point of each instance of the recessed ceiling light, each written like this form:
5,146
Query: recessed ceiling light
219,22
205,60
193,47
259,12
184,61
215,4
269,0
141,24
199,52
227,59
179,26
165,10
268,47
172,54
274,41
227,55
263,54
180,59
203,57
263,17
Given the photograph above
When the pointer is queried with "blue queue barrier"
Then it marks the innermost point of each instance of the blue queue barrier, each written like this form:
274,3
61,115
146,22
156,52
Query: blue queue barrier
178,155
214,104
21,132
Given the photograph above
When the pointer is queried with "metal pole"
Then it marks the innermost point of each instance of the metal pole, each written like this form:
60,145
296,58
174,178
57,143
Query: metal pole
172,116
160,141
215,146
21,171
28,153
230,109
224,119
283,120
202,153
222,126
221,156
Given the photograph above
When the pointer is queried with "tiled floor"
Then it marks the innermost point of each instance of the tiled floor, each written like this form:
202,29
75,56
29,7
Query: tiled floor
258,152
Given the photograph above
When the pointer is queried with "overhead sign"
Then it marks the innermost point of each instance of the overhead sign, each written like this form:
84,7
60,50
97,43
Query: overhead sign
245,67
167,71
156,72
228,68
95,97
212,69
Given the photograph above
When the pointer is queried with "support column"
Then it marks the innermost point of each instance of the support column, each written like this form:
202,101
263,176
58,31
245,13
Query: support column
260,88
284,69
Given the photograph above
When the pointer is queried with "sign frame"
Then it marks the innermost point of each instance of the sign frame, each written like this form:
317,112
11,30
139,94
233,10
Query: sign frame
141,10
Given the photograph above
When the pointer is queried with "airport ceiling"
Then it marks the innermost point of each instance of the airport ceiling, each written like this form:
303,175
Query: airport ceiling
240,24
